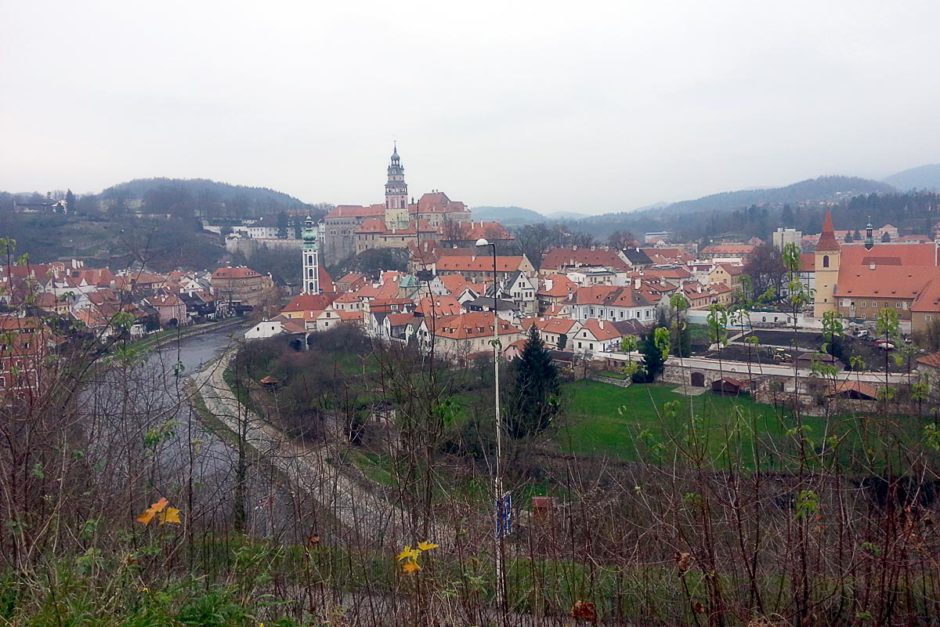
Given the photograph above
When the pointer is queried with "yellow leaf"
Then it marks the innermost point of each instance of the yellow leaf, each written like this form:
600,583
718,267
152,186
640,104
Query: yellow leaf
410,567
170,517
153,510
427,546
408,553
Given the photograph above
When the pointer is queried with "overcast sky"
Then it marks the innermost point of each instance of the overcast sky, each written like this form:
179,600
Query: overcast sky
580,106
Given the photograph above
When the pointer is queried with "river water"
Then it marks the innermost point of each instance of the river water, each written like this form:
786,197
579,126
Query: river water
146,441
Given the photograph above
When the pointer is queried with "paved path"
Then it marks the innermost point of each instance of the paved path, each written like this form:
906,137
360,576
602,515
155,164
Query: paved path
306,467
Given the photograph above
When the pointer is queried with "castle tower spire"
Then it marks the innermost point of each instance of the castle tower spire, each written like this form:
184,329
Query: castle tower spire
396,193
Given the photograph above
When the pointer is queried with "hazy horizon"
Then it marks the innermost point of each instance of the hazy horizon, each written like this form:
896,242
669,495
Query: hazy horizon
607,108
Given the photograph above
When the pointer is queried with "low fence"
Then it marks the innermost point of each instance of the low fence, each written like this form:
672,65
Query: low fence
623,383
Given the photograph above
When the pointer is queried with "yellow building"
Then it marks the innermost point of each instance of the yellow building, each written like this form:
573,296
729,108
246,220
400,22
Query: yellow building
828,259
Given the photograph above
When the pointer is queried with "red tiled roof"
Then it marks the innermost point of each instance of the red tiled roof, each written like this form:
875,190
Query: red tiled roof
356,211
561,286
443,306
601,330
883,281
928,301
401,319
851,385
482,263
239,272
561,258
437,202
932,360
889,254
549,325
165,300
827,239
594,294
666,273
488,230
729,249
470,325
308,302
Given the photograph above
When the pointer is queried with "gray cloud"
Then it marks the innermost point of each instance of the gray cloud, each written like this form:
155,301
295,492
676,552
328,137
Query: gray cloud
593,107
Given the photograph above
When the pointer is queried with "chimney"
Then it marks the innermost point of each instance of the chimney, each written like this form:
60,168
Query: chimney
601,322
871,266
637,282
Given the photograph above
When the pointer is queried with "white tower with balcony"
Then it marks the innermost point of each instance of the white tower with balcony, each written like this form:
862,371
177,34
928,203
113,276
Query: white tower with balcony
311,258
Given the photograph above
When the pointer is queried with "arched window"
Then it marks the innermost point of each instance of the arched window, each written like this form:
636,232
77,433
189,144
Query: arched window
825,261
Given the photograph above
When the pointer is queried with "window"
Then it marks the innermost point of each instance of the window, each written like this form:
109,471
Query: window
825,261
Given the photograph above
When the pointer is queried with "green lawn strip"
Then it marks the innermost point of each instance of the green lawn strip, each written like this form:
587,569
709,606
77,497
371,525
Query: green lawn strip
620,423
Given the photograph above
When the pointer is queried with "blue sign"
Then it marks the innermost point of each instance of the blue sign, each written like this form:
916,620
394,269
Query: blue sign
504,515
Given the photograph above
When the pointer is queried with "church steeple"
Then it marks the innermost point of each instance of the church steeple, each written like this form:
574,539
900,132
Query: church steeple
827,262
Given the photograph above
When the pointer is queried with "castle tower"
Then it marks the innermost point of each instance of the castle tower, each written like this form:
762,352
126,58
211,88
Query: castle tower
311,253
828,257
396,194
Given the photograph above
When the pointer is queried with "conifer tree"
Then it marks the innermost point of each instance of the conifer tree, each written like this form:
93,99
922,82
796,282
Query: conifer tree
534,399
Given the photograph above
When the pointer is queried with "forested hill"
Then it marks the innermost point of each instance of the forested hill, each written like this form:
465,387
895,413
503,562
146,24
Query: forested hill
510,216
211,198
925,177
811,190
680,216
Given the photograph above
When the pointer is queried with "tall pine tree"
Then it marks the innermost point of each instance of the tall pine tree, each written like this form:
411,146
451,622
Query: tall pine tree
533,402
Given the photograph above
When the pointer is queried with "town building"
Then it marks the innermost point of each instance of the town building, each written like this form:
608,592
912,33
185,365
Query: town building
860,280
240,287
461,337
352,229
781,237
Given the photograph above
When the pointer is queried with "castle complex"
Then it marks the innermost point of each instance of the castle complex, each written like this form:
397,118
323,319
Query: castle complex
351,229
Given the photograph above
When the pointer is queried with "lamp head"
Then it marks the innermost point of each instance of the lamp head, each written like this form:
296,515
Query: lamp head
482,242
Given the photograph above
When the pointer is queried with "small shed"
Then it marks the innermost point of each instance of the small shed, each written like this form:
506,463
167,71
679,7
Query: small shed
269,382
855,390
727,386
805,360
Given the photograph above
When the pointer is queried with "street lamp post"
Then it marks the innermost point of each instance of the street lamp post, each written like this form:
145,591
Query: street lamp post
497,479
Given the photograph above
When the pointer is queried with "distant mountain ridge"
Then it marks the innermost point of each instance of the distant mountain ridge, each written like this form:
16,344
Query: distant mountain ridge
509,216
819,189
925,177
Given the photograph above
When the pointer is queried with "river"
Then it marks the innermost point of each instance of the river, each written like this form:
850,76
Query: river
146,440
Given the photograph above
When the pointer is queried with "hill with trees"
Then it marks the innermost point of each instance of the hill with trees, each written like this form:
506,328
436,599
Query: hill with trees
707,215
510,216
195,197
926,177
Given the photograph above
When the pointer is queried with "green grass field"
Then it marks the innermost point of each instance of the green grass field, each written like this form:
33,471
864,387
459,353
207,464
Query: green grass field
633,423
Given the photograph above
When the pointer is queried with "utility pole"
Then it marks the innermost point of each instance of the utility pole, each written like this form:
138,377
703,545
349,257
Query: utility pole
497,479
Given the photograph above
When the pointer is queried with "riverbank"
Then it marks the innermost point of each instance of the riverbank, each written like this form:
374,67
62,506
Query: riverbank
168,336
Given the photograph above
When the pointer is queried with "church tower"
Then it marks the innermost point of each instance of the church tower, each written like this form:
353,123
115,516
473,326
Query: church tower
828,257
311,255
396,194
